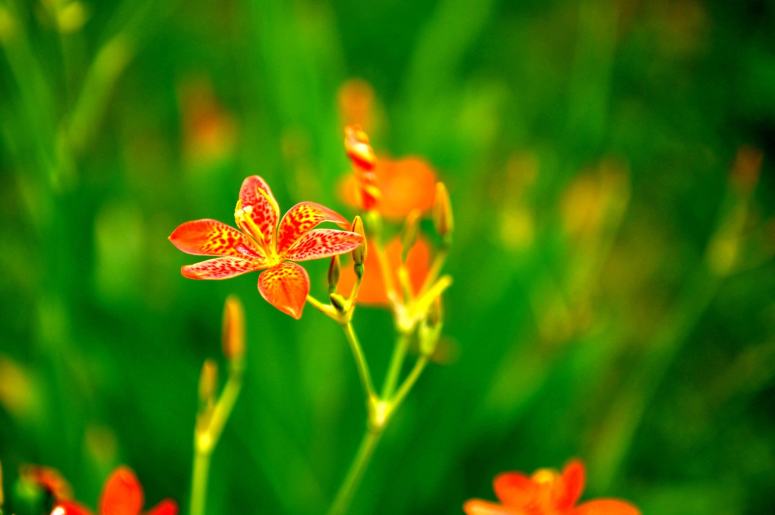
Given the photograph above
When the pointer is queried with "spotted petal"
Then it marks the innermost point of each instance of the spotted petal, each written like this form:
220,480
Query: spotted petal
219,268
285,287
257,211
320,243
123,494
209,237
302,218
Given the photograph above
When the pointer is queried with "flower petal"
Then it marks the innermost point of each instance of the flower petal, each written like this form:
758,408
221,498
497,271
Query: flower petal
209,237
257,211
479,507
70,508
219,268
285,287
122,495
166,507
320,243
606,507
372,289
405,185
573,477
514,489
301,218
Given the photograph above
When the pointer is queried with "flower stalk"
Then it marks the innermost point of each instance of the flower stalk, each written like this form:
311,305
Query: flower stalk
417,316
214,412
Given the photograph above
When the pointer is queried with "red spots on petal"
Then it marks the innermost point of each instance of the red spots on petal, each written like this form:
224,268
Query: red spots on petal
257,211
285,286
219,268
320,243
209,237
302,218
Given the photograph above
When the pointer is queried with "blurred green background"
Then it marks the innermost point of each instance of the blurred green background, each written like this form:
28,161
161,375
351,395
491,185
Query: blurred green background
613,259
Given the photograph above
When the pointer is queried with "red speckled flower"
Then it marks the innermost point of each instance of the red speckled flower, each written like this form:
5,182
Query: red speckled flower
264,244
122,495
546,492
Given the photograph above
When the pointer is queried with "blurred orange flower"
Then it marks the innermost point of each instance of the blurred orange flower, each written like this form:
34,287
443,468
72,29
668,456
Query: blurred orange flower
405,185
372,290
122,495
546,492
209,130
265,243
356,103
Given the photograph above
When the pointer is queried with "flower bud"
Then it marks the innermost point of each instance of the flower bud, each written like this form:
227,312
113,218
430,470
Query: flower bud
339,302
359,253
356,144
333,274
442,213
208,383
233,336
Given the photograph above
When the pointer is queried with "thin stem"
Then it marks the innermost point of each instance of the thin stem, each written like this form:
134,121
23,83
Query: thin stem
433,273
406,283
199,481
396,363
360,361
409,382
326,309
225,405
205,440
355,473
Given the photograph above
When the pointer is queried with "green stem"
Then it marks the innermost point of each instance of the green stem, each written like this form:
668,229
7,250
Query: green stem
360,361
205,440
433,273
199,482
396,363
354,475
409,382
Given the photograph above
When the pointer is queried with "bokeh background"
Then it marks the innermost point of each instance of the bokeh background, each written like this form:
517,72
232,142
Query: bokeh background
610,164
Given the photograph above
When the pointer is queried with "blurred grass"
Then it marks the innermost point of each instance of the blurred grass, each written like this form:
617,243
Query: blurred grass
613,277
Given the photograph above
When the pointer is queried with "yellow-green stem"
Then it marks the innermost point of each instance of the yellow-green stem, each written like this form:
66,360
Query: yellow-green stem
360,361
205,439
199,482
433,273
409,382
355,473
396,364
326,309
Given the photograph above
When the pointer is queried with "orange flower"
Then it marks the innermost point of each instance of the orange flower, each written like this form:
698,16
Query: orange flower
209,131
546,492
372,290
122,495
405,185
263,244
